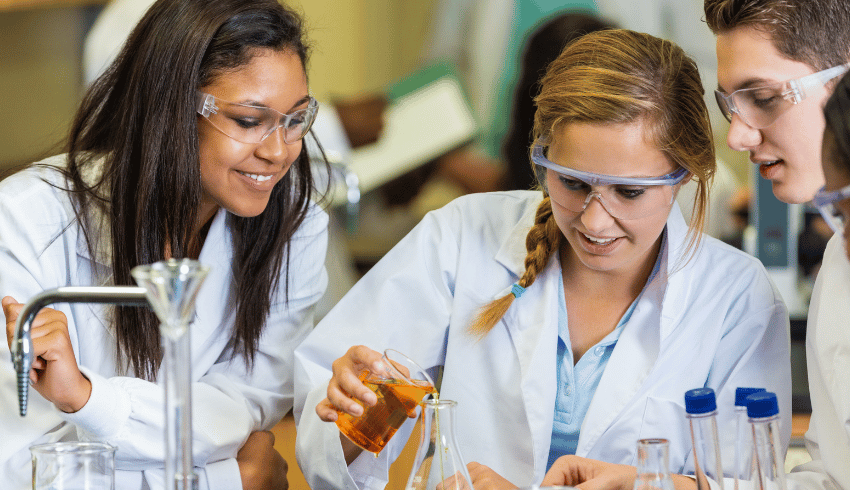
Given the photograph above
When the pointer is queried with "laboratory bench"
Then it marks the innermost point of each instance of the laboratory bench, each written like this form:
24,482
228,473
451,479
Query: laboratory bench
284,433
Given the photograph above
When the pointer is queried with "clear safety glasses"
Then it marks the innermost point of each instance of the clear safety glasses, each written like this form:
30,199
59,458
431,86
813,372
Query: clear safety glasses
622,197
759,107
825,202
253,124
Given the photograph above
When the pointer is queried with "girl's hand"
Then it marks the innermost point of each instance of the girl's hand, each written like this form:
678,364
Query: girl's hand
54,372
483,478
345,385
590,474
260,465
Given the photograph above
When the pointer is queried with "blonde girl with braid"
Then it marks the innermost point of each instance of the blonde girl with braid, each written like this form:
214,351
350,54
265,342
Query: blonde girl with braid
572,319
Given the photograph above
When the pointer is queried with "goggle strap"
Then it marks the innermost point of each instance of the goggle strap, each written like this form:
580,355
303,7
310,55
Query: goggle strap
823,197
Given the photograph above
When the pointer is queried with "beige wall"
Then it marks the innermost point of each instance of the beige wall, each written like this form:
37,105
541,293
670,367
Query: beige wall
39,79
358,46
361,45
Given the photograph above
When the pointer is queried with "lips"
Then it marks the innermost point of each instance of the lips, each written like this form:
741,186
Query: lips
256,177
768,168
598,245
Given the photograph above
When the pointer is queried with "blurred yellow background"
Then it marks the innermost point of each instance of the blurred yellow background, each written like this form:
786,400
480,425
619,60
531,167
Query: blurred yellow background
358,46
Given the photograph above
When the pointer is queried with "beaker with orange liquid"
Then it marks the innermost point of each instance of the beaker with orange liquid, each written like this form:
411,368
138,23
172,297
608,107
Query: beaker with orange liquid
399,390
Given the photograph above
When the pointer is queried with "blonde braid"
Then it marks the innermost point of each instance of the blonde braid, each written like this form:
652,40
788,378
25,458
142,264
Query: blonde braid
541,242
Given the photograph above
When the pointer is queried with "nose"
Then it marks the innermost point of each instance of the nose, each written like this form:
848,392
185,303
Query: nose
595,216
742,136
276,150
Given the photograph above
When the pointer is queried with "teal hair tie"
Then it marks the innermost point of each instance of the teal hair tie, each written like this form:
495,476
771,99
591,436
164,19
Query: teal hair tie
517,290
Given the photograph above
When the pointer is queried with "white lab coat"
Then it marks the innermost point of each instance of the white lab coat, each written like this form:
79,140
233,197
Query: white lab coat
717,322
38,252
828,362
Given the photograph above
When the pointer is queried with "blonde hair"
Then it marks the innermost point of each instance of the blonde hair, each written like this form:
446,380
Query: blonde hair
618,77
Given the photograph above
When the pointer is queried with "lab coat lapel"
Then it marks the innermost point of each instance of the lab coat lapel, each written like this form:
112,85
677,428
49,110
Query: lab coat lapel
637,349
213,303
531,323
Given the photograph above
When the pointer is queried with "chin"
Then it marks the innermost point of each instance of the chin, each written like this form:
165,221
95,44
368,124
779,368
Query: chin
247,211
790,194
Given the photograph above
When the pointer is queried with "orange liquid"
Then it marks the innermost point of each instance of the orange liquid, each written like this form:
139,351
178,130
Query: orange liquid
397,401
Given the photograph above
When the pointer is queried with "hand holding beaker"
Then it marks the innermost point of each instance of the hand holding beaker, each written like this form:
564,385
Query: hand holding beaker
387,393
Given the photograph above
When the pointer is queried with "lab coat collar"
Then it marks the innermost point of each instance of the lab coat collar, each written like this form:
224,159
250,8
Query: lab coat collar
654,318
512,251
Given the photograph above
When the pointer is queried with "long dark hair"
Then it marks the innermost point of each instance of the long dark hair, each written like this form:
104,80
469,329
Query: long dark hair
138,121
837,113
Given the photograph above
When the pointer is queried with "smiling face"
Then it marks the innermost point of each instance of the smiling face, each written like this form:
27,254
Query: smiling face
238,176
788,151
598,241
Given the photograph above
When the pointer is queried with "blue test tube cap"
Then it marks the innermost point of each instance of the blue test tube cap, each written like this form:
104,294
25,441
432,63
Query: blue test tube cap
741,395
699,401
762,404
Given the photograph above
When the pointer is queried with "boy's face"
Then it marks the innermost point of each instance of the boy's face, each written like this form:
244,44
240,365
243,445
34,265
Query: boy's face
788,151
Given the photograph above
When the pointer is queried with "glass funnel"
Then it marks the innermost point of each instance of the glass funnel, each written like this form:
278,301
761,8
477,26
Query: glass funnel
171,288
438,462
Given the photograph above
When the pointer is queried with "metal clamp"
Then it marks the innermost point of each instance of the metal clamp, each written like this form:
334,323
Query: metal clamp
22,355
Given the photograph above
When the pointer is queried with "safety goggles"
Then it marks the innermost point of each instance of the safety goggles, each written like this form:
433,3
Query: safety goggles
622,197
253,124
825,202
759,107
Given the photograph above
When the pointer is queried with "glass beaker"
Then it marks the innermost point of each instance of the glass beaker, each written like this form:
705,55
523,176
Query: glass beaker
653,467
399,389
73,466
438,462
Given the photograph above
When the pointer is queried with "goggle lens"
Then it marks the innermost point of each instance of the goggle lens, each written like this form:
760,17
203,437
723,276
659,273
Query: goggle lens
620,201
253,124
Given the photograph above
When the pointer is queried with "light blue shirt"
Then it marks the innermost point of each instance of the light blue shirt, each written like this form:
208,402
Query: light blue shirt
577,382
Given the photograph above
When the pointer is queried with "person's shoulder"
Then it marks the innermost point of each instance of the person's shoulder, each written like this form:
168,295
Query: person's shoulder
315,222
501,204
835,255
39,180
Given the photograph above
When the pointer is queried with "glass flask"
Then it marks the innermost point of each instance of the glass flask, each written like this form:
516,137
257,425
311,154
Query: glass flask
653,466
438,462
399,389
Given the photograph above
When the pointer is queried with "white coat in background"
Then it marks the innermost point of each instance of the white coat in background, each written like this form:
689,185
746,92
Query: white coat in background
717,321
42,247
828,363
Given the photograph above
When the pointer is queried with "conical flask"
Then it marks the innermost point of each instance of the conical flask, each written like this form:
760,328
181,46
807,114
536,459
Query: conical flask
438,462
171,288
653,467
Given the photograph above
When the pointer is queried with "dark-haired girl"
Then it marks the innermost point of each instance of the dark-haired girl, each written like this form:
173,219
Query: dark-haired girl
190,145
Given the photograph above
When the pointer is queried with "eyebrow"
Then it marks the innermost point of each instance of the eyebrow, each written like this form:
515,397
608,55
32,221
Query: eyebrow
256,103
749,83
